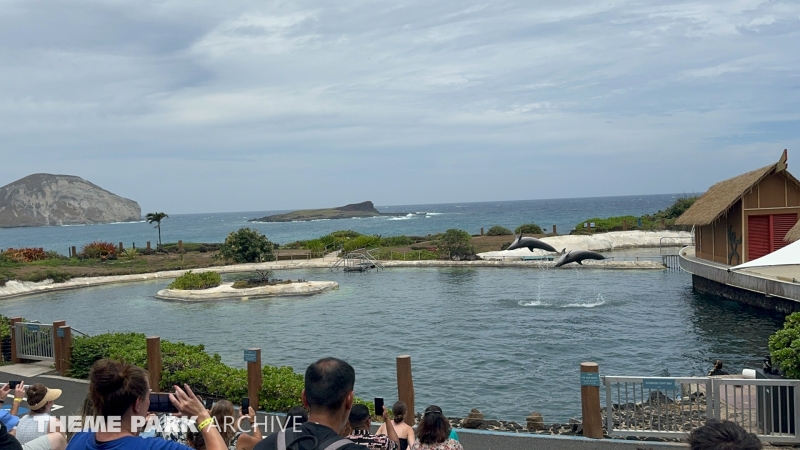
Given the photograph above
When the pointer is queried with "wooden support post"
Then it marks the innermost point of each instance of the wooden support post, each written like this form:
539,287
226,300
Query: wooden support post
554,229
121,247
405,386
57,344
254,375
148,246
180,246
590,400
154,362
481,235
66,349
14,320
74,251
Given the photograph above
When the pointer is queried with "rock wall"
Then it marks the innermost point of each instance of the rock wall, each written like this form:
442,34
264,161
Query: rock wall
44,199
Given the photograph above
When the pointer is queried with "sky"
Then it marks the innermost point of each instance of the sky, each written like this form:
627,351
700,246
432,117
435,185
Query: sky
207,106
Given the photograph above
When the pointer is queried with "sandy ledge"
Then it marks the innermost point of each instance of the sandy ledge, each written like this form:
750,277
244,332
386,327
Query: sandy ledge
226,291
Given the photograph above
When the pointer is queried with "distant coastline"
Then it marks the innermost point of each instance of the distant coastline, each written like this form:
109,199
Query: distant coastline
351,211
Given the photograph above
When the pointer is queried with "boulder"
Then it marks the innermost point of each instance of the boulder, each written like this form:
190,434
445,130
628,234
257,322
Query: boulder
534,422
473,420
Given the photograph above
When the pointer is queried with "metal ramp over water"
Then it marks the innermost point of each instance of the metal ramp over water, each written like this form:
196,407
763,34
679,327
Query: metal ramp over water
360,260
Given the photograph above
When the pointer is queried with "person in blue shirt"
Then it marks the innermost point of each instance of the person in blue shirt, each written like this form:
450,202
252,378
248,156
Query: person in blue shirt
120,395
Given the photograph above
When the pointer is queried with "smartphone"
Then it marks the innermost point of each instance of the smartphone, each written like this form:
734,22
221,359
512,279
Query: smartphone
245,406
209,403
159,403
13,384
379,406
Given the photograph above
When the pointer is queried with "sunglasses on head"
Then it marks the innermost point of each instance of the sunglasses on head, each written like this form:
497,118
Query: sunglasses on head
433,410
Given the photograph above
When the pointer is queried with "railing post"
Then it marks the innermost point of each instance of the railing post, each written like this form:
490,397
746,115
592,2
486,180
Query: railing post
65,356
405,386
154,362
12,323
254,375
121,247
180,245
554,230
74,252
590,401
148,246
57,344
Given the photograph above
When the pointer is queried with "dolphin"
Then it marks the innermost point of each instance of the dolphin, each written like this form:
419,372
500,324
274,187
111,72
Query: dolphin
576,256
530,243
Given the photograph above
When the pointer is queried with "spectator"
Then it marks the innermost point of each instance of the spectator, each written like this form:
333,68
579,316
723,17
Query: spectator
724,435
231,434
120,394
86,411
717,370
37,422
7,440
9,420
296,416
360,421
433,432
328,395
404,432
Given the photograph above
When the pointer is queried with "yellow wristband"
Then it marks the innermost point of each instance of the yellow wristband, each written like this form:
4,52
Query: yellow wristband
17,400
205,423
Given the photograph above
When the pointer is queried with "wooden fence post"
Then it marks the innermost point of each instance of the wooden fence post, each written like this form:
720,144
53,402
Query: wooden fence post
554,230
74,252
148,246
180,246
405,386
154,362
65,336
57,344
121,248
590,400
254,375
14,320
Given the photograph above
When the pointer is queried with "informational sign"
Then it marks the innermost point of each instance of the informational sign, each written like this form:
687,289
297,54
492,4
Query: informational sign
250,356
33,327
60,333
659,384
590,379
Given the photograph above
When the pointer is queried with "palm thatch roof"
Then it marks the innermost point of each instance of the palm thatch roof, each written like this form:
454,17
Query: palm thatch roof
722,196
794,233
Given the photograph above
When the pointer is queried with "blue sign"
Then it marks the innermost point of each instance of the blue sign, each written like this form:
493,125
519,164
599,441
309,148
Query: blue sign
250,356
33,327
659,384
590,379
60,332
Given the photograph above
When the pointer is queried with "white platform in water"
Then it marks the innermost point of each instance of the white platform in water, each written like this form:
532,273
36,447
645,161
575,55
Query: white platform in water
226,291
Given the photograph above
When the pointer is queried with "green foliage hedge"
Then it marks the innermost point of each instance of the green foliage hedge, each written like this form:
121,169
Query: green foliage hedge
192,281
497,230
649,221
528,228
456,242
190,364
247,245
784,347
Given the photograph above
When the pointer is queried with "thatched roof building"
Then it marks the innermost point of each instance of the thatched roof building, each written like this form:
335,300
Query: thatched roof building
747,216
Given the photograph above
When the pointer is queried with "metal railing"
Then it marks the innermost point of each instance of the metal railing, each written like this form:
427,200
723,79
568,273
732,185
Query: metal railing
767,408
657,407
34,341
671,407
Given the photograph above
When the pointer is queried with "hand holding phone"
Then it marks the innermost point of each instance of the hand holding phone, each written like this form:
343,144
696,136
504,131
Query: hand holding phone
245,406
209,403
13,384
379,406
160,403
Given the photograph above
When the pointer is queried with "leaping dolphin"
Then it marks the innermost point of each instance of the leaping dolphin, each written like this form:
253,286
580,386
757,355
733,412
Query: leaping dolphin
576,256
530,243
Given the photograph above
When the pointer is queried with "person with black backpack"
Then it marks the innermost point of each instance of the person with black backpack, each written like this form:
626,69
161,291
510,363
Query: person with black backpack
328,395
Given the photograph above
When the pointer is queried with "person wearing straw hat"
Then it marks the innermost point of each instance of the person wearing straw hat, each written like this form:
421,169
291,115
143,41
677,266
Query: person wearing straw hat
38,422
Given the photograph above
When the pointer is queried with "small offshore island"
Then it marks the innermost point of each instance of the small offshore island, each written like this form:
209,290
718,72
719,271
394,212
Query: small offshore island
363,209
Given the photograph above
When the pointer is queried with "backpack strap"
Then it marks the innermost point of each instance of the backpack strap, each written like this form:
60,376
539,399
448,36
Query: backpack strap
281,441
334,443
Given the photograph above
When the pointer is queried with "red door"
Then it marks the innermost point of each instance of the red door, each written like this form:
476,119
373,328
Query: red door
758,236
765,233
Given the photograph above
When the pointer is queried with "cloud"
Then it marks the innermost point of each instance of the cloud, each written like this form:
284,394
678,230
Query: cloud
423,92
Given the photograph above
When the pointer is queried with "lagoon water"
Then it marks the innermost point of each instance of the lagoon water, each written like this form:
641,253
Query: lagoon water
507,341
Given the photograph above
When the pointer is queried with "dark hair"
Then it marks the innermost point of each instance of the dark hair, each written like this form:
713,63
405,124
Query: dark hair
399,410
725,435
358,415
327,383
296,415
717,365
196,440
114,386
35,394
434,428
219,411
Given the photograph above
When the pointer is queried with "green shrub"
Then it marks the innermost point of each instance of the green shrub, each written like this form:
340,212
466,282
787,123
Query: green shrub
528,228
98,249
56,276
497,230
784,346
5,327
247,245
414,255
130,253
192,281
362,241
396,241
456,243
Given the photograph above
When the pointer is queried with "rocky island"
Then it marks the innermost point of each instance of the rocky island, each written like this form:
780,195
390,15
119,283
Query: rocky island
363,209
43,199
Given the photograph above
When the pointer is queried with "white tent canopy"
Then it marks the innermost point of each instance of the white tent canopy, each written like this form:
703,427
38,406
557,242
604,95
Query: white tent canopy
787,256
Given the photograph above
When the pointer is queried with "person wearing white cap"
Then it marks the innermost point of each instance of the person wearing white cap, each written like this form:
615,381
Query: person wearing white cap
37,422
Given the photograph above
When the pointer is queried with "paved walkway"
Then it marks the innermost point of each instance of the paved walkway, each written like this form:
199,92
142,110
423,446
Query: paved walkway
75,391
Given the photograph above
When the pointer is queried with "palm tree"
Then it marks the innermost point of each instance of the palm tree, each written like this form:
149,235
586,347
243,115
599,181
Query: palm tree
157,217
